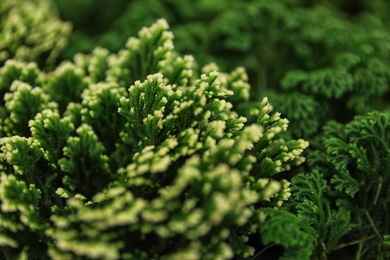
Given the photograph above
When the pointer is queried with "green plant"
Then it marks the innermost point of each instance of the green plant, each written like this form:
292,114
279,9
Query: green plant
127,149
321,51
132,155
347,189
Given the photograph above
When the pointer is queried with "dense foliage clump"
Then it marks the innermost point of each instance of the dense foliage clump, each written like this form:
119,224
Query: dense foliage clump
104,169
130,148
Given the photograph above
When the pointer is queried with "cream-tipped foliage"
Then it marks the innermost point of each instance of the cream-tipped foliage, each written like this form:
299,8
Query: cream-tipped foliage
17,70
142,56
31,31
65,84
52,132
22,154
19,212
22,103
130,155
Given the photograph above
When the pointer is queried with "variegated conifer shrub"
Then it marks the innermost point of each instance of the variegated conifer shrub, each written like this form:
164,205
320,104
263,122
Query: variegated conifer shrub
136,155
142,153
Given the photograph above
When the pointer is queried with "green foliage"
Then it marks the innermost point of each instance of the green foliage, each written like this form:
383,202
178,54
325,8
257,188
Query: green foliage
84,158
117,148
99,110
335,54
131,155
31,31
20,196
305,113
355,184
10,72
282,227
14,70
52,132
65,85
19,214
310,192
361,156
22,103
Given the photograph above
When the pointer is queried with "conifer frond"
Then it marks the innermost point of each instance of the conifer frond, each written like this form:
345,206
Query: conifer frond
17,70
23,102
23,154
142,56
20,216
65,85
100,110
52,133
84,162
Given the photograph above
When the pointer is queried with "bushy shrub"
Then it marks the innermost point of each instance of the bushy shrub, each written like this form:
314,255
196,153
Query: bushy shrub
117,148
164,168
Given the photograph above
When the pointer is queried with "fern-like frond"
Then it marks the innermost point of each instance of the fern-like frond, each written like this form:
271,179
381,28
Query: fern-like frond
310,198
286,229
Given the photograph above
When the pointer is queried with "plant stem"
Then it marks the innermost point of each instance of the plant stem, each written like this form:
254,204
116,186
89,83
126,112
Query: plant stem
353,242
262,251
373,225
359,251
378,190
